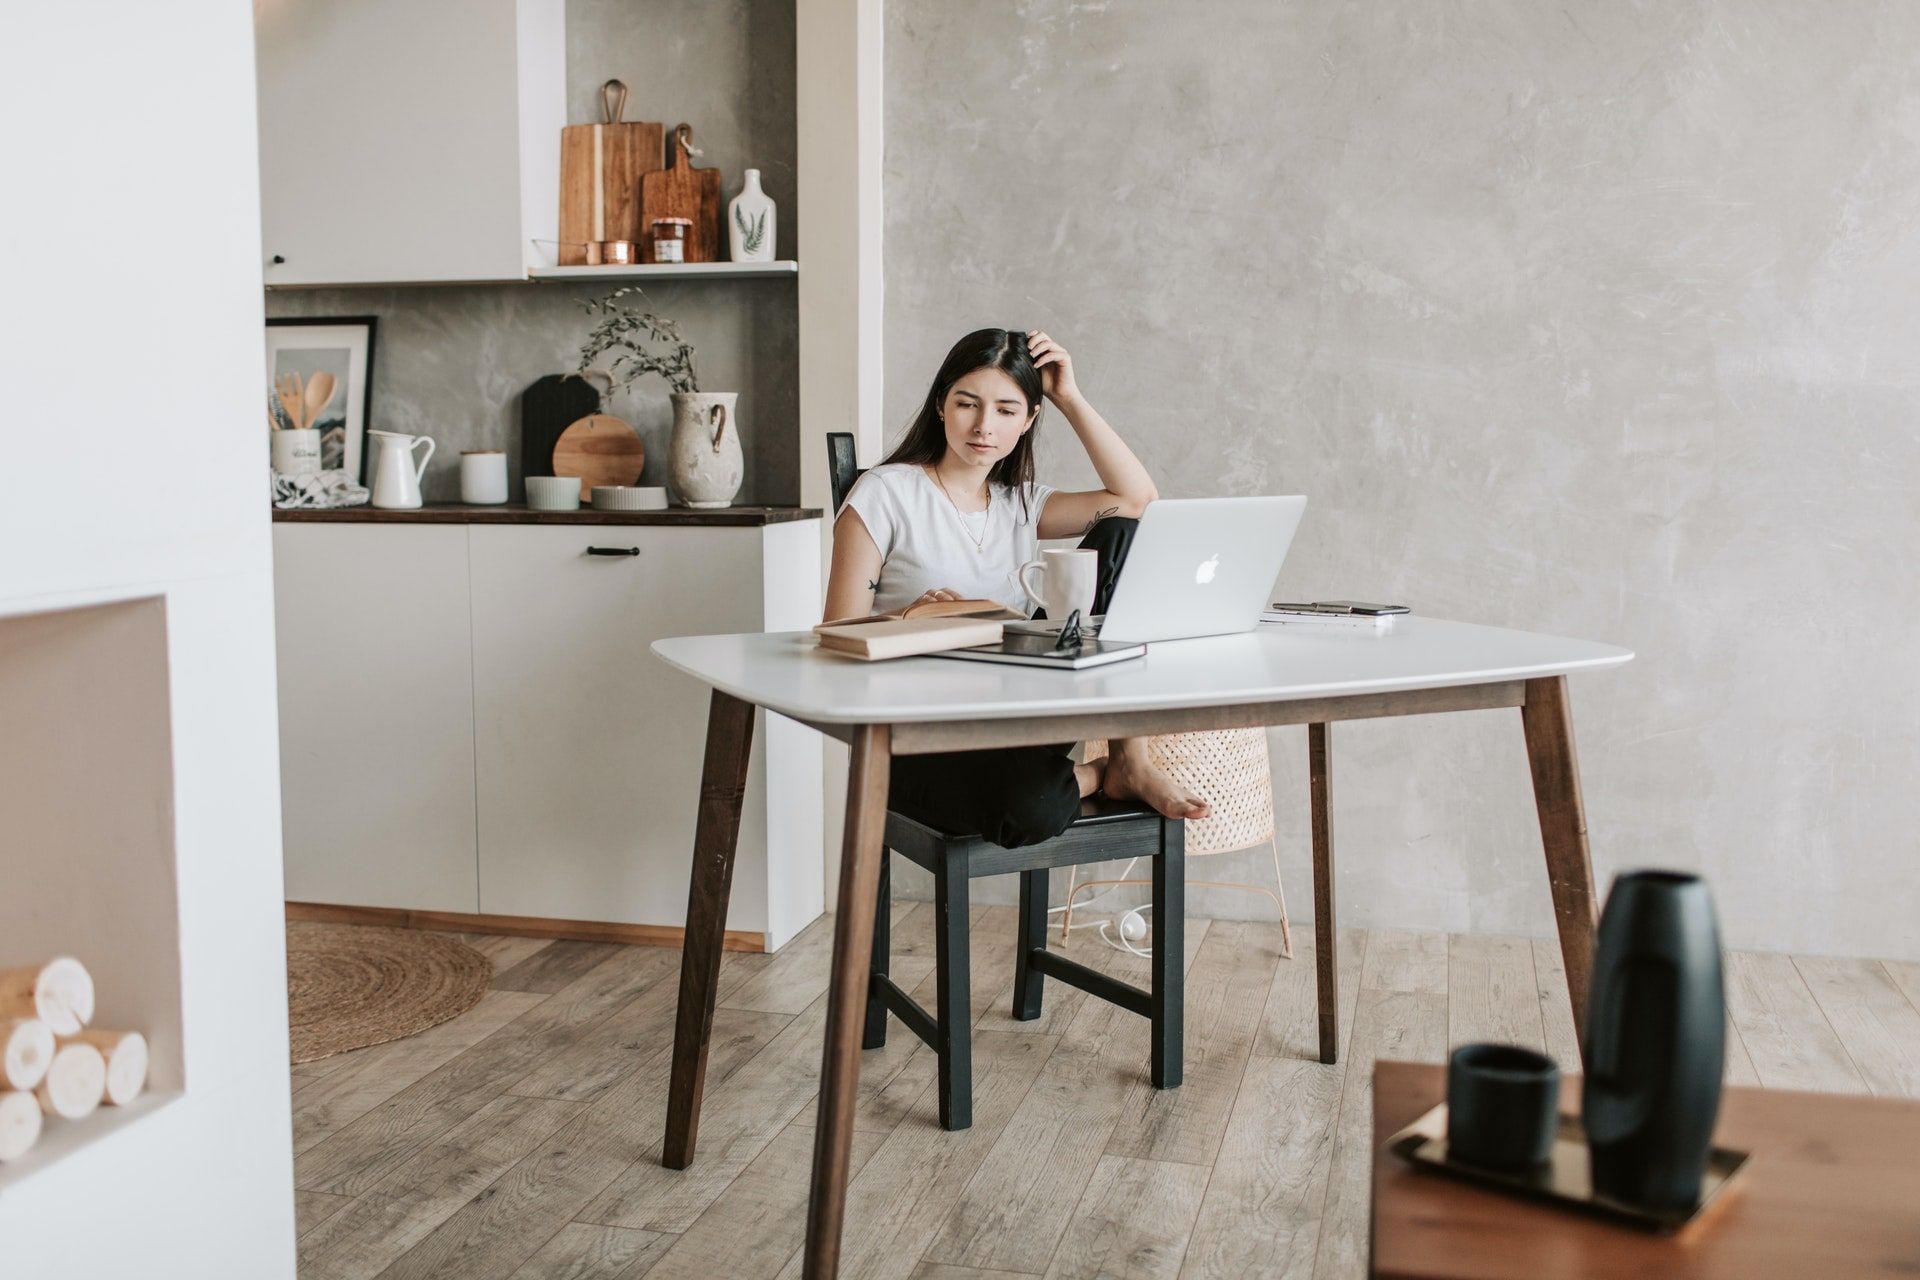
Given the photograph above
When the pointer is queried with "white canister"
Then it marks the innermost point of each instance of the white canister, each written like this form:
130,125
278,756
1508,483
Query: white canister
296,451
483,477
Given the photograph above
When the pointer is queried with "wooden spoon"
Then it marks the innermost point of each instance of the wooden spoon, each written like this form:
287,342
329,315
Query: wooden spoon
319,395
289,402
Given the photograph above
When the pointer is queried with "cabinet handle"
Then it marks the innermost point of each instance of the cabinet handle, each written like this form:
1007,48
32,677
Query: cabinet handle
278,260
613,551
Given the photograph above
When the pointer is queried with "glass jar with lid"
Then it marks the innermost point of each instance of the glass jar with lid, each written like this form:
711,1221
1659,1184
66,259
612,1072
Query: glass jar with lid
670,239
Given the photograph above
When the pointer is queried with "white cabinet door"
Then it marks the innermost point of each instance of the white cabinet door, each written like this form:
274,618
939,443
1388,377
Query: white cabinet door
376,715
407,142
588,747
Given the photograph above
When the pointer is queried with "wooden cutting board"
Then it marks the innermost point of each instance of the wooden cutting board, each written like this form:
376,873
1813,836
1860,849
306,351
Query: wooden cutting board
600,449
600,170
682,191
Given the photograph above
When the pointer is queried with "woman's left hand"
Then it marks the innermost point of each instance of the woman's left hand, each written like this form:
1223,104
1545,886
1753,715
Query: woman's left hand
1055,366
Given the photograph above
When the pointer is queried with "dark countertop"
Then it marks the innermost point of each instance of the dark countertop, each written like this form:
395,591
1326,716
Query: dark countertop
516,513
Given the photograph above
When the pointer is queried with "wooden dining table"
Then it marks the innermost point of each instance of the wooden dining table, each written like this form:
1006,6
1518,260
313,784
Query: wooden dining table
1314,674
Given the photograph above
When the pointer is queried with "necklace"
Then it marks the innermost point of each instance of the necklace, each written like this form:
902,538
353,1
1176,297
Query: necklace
979,543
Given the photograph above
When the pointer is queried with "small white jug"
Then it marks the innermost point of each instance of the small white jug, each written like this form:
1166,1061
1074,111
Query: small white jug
396,478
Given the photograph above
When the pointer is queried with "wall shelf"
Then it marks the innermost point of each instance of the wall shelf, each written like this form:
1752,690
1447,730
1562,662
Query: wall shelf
667,270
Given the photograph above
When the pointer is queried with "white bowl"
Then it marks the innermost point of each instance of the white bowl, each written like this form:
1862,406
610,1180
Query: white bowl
553,493
622,497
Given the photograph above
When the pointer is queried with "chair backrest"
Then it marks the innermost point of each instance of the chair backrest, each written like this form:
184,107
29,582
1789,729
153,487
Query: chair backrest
843,468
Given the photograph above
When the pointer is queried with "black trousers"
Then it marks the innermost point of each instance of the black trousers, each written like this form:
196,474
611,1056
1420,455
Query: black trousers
1011,795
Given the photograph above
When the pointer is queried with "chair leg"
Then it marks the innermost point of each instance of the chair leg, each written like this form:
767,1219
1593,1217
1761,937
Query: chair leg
1028,982
1280,889
875,1033
954,1032
1169,955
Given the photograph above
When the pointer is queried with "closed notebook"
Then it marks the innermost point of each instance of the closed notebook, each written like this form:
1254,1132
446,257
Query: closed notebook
881,638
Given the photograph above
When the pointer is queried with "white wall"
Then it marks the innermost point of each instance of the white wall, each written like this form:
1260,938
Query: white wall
1590,318
131,464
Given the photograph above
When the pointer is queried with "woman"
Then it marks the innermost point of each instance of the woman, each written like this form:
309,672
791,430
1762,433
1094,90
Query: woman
952,514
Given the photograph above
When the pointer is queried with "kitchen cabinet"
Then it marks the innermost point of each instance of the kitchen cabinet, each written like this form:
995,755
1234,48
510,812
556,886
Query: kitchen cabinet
582,750
409,142
376,715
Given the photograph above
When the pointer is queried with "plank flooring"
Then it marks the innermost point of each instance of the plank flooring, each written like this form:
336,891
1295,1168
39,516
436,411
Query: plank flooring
522,1139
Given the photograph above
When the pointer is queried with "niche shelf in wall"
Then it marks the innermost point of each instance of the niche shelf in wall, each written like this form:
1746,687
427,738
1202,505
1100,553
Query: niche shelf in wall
667,270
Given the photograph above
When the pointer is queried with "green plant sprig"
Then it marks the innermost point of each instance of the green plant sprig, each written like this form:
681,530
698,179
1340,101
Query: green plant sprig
639,337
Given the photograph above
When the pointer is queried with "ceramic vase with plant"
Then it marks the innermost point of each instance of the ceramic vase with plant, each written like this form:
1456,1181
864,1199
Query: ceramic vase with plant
704,461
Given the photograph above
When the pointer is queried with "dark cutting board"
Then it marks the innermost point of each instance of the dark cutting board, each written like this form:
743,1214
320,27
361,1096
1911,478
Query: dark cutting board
547,408
682,191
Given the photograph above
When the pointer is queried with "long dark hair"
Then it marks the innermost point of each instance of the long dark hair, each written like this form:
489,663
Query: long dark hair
1002,349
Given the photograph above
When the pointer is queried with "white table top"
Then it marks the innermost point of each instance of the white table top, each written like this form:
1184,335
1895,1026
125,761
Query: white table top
784,671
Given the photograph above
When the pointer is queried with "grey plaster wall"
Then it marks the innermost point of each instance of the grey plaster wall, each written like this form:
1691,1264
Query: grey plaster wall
1595,318
451,362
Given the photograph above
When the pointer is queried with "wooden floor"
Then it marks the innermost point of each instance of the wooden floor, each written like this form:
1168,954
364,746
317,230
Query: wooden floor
522,1139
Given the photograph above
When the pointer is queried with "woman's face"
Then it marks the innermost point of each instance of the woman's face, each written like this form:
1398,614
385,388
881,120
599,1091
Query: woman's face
985,415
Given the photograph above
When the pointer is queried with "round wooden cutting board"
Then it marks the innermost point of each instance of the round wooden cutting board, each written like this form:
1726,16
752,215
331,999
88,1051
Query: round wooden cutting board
599,449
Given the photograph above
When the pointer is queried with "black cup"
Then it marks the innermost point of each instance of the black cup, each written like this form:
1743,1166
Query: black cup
1503,1107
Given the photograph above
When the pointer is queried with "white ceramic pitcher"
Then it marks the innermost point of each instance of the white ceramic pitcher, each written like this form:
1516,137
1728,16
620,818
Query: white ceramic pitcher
396,477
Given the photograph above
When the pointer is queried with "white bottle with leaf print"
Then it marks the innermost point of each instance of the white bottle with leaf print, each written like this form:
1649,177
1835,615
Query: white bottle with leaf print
750,221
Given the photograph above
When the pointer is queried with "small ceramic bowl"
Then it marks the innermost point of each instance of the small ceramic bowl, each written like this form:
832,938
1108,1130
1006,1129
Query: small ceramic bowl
621,497
553,493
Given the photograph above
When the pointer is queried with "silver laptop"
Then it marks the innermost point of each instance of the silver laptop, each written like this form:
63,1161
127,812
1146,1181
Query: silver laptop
1197,567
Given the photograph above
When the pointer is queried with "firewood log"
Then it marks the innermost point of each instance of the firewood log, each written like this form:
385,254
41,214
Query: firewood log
76,1081
26,1047
59,993
19,1124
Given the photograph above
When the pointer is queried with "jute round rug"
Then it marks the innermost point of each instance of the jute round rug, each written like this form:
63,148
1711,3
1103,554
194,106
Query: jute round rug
349,985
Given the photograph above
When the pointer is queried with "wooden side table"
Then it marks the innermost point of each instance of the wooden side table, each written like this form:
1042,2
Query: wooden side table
1833,1190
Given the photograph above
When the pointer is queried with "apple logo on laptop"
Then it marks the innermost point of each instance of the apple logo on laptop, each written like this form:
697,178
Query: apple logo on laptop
1204,574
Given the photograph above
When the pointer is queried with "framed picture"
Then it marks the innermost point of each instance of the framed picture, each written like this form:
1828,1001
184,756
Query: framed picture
303,346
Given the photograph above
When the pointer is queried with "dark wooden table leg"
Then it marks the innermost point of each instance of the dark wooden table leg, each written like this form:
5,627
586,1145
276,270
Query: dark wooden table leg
723,787
861,850
1167,1061
1326,940
1548,723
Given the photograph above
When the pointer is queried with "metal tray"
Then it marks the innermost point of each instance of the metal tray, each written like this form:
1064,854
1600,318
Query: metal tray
1565,1180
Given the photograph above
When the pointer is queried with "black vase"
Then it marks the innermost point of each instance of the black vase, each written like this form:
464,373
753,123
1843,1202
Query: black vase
1656,1040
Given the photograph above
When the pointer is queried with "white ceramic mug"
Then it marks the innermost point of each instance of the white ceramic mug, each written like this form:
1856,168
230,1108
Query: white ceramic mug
296,451
1067,582
483,477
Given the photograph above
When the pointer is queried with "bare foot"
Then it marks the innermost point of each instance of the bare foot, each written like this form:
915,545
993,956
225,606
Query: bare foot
1131,776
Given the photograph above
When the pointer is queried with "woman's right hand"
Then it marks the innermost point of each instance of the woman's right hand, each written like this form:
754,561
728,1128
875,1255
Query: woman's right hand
938,593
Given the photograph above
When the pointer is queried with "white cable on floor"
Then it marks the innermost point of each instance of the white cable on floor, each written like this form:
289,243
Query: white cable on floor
1125,943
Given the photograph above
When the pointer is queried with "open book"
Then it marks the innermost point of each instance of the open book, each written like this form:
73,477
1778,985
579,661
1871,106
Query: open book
929,627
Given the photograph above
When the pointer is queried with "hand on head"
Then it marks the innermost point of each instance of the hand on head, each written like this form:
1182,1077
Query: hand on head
1054,364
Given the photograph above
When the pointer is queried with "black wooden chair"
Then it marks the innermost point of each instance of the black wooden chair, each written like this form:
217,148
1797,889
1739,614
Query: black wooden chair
1104,831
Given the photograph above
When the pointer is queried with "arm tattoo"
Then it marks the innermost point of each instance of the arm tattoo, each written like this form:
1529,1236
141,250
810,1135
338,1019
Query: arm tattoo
1098,516
873,584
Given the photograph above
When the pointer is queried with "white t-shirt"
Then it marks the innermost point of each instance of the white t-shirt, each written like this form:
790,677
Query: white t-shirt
926,543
